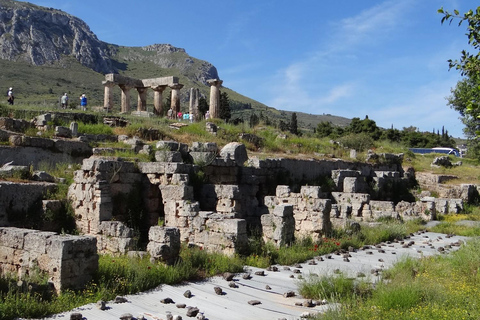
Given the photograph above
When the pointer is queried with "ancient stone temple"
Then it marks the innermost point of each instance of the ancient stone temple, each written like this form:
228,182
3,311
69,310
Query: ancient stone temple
158,85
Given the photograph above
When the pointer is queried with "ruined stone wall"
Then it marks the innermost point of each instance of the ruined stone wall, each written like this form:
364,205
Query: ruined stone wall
100,194
310,214
18,198
69,261
214,231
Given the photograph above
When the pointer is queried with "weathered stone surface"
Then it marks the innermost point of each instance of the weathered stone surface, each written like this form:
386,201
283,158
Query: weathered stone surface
235,151
164,244
63,132
70,261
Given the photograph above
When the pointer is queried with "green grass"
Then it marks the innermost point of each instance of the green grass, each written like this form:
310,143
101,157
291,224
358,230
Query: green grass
437,287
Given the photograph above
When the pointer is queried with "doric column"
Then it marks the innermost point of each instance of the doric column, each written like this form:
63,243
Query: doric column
125,98
142,99
193,107
157,99
214,97
175,101
108,96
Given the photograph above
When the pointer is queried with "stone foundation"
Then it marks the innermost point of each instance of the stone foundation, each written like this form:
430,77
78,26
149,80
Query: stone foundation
69,261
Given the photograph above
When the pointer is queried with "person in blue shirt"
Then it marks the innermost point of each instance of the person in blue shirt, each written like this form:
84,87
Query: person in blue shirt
83,102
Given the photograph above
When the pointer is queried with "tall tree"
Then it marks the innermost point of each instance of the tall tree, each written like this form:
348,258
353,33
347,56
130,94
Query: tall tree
294,124
202,106
224,112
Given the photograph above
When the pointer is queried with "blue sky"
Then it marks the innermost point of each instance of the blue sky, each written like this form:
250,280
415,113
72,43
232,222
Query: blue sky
350,58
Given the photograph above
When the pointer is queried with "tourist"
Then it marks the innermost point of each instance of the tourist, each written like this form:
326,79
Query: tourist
83,102
170,113
207,115
179,115
186,116
64,101
10,97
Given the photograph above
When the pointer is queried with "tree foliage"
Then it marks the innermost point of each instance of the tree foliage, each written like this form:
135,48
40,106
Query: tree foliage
202,106
465,97
294,124
224,112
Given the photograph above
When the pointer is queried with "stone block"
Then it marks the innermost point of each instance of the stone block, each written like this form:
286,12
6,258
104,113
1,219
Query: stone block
168,156
228,205
74,148
204,147
174,192
164,243
311,192
180,179
283,210
63,132
168,145
13,237
203,158
115,229
234,151
282,191
228,192
228,226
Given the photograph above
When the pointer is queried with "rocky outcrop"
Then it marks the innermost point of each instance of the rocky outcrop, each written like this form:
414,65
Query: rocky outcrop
41,36
44,35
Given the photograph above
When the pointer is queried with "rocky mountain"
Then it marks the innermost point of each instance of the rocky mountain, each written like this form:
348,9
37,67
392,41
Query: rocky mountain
42,36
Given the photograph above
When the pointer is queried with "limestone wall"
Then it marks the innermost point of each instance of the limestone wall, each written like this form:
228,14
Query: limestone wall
69,261
311,212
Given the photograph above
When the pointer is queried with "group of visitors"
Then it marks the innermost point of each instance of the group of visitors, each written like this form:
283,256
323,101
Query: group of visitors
172,115
63,100
83,101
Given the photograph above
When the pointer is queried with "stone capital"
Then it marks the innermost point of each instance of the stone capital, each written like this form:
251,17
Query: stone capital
159,88
215,82
176,86
109,84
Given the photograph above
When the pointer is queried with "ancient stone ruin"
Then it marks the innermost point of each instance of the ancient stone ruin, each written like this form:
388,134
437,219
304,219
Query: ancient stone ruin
195,194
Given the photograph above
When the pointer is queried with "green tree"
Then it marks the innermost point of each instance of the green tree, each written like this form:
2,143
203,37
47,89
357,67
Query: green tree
364,126
465,96
202,106
224,112
294,124
254,120
324,129
282,125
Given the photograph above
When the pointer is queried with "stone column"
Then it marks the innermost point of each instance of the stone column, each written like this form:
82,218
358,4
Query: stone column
175,102
157,99
214,97
193,108
108,96
125,98
142,99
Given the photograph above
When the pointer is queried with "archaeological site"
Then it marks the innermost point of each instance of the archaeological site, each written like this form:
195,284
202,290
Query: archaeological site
200,194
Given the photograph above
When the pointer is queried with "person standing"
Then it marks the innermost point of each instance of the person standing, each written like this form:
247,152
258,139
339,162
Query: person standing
10,97
64,101
83,102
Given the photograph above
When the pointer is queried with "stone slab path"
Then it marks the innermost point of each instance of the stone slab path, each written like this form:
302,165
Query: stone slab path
252,299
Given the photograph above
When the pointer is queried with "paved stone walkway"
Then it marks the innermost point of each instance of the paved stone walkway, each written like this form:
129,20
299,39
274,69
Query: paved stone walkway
264,296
